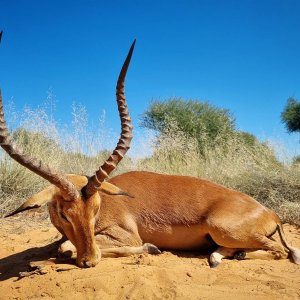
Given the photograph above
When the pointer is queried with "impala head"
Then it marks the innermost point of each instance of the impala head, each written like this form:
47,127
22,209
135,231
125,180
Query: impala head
74,200
75,218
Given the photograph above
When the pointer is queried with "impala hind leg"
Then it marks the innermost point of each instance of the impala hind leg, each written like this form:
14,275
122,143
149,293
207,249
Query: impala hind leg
222,252
276,249
251,244
263,254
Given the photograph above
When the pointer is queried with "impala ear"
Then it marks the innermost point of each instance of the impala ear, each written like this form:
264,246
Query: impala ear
78,180
111,189
36,200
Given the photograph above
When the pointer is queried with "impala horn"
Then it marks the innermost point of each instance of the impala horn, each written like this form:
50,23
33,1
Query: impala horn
94,183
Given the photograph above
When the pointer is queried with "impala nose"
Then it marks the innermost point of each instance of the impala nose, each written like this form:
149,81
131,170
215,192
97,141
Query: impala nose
89,262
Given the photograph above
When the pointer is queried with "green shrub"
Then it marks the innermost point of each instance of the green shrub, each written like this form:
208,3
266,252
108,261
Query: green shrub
198,120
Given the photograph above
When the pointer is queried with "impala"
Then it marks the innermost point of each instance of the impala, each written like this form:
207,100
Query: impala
139,212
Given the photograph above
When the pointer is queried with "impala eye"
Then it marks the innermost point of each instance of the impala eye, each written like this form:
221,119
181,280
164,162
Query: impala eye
63,216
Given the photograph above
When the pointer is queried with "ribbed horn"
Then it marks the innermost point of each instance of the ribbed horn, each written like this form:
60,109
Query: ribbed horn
123,145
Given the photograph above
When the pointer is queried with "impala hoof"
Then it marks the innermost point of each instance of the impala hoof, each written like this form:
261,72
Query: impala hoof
239,255
88,262
151,249
67,250
214,264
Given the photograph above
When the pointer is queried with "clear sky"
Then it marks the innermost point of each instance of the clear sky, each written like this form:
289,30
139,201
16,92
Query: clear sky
240,55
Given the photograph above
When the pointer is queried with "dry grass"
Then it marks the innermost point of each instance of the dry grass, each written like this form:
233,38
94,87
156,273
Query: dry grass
253,170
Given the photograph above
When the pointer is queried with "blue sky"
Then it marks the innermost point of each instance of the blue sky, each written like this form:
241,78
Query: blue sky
240,55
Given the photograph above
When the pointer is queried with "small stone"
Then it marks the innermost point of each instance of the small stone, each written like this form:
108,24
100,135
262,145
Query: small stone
189,274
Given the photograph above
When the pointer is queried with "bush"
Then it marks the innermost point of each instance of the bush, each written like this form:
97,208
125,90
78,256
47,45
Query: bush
198,120
291,115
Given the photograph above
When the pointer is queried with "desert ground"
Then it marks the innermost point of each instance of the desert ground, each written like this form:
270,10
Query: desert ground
29,238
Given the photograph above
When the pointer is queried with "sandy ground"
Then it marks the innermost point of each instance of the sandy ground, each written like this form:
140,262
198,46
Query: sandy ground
30,238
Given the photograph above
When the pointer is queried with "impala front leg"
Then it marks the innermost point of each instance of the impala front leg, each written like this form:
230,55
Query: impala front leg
113,247
110,247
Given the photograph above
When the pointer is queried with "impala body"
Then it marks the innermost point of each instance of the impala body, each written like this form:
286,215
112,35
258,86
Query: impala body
139,212
173,212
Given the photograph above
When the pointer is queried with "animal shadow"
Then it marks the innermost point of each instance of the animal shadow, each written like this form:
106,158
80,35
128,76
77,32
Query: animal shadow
13,265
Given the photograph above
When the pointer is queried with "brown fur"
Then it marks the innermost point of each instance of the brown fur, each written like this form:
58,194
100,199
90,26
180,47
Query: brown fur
171,212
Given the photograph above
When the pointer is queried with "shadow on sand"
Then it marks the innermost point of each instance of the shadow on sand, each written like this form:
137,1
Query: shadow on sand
13,265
